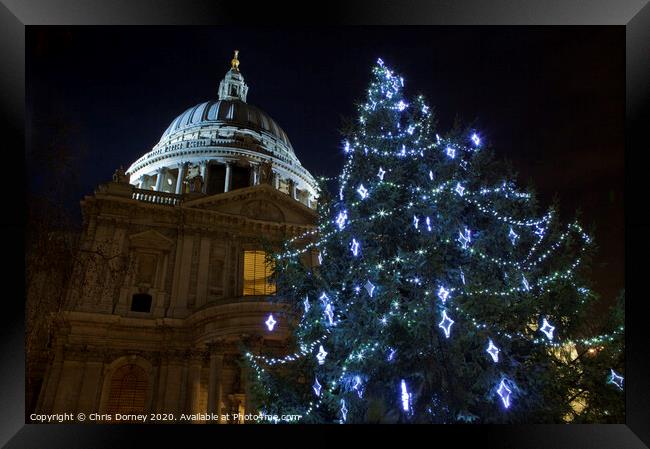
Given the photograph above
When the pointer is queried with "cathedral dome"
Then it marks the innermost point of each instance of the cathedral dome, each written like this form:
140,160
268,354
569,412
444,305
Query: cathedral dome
219,136
219,113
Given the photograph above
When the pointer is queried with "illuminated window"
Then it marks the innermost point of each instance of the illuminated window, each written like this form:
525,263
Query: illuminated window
257,274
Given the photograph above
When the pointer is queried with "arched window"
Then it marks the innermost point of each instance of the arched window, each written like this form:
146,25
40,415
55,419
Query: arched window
257,274
128,390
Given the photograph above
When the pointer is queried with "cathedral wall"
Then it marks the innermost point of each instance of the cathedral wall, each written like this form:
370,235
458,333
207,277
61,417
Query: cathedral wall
191,263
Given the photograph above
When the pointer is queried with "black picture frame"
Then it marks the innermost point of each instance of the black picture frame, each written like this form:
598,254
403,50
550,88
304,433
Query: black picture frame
633,15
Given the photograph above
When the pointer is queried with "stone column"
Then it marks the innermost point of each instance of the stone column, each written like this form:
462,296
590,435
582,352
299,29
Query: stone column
293,190
214,387
194,382
204,175
255,169
179,181
159,179
276,180
226,186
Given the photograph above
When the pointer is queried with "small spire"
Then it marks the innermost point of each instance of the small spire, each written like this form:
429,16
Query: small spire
234,63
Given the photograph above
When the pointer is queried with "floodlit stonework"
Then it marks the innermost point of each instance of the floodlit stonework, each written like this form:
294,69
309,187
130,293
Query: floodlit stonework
162,297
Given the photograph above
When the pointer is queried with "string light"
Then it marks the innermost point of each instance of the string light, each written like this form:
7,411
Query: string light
419,201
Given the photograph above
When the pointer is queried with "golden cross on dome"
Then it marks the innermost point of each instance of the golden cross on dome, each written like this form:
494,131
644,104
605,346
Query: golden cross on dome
234,63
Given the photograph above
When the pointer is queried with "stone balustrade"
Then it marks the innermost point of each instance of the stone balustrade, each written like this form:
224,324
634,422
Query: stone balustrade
151,196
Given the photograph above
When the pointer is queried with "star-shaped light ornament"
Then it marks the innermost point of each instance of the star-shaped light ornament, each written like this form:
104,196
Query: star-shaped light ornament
370,288
504,392
341,219
476,139
451,152
320,258
270,322
460,189
443,294
464,238
329,313
381,173
406,397
354,247
362,191
416,221
446,323
344,411
525,283
306,304
615,379
513,236
357,386
321,355
317,387
391,354
493,351
547,329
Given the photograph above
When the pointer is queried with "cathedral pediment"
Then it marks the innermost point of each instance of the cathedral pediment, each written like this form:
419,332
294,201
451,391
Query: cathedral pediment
151,240
261,202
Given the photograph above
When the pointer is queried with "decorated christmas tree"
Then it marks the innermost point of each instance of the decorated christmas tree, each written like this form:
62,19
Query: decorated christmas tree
441,294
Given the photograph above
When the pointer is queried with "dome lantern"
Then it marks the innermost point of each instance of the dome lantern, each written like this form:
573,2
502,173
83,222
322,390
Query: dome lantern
233,87
222,145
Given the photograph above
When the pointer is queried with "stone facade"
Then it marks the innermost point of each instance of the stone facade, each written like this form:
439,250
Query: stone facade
156,313
188,343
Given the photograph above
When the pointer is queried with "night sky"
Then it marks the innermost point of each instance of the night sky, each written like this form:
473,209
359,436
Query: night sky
550,99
